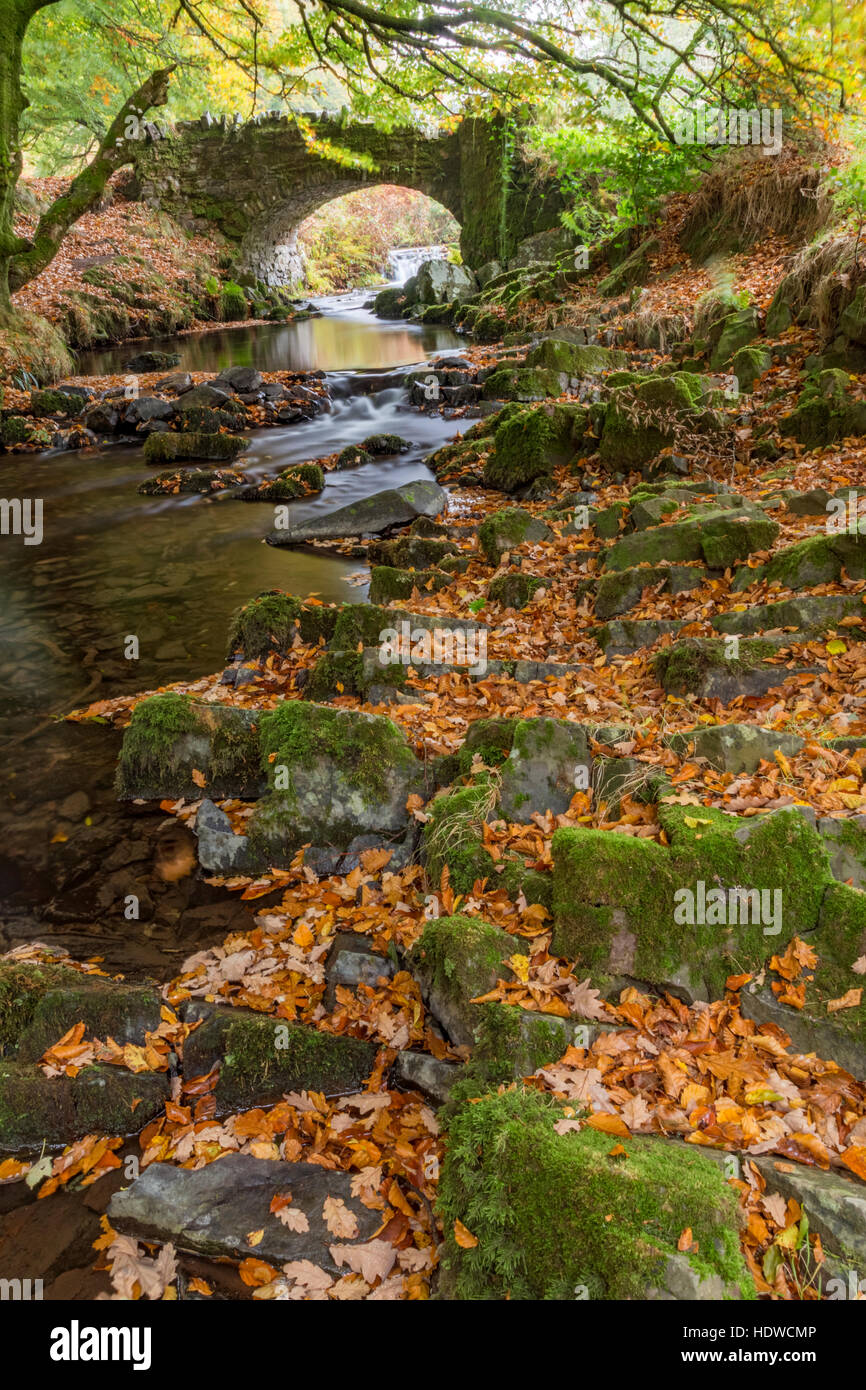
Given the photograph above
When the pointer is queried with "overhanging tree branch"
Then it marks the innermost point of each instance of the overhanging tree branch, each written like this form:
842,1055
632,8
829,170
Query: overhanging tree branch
114,151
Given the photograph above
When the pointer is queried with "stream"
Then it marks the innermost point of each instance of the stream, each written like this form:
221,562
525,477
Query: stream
171,571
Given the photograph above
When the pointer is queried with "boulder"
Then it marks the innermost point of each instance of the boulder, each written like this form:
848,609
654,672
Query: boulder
176,747
505,530
240,380
676,915
548,761
335,774
454,960
440,282
260,1057
212,1210
735,747
575,360
394,507
718,537
562,1190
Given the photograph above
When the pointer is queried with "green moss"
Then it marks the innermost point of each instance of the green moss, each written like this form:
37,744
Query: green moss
682,667
513,590
815,560
149,752
538,1204
641,420
527,445
385,444
461,957
343,673
360,625
839,941
233,302
267,623
410,552
388,584
365,748
300,480
36,1109
512,1042
353,456
168,447
522,384
607,884
53,402
22,987
489,739
452,837
255,1070
502,530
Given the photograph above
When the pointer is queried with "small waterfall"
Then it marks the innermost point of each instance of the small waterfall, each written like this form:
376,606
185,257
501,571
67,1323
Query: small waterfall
404,261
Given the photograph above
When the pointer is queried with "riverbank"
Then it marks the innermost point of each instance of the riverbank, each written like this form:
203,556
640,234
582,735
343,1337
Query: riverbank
551,855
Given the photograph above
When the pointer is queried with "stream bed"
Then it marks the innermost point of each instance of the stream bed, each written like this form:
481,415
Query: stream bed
170,571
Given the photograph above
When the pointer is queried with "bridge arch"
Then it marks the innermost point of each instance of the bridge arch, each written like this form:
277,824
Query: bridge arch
256,181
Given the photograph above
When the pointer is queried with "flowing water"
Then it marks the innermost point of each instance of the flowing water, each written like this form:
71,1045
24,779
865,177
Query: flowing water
172,570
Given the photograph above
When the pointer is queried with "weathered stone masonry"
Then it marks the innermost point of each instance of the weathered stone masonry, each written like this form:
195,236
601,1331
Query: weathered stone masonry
256,182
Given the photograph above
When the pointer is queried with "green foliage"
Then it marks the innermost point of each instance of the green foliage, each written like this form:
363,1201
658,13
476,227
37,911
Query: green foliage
614,175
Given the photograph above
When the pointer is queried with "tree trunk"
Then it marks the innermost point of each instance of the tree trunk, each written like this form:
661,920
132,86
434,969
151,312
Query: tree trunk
15,15
88,187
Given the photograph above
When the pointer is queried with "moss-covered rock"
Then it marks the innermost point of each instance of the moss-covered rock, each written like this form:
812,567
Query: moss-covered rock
815,560
53,401
634,270
390,303
527,445
748,364
233,302
39,1003
513,590
170,738
169,447
348,673
717,537
388,584
548,761
538,1204
505,530
731,333
17,429
299,480
641,420
36,1109
453,836
711,670
490,740
455,960
385,444
523,384
676,915
353,456
621,590
272,621
261,1058
334,774
825,411
576,359
810,613
410,552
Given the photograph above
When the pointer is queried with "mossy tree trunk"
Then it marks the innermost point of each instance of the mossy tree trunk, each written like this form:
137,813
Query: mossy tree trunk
15,15
86,189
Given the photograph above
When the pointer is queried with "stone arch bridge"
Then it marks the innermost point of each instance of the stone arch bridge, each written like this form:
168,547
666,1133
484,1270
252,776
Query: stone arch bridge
256,181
